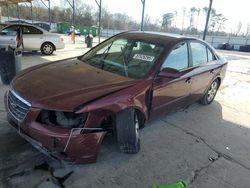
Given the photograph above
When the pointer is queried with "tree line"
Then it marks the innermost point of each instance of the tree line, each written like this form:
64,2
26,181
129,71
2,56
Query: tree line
186,21
216,23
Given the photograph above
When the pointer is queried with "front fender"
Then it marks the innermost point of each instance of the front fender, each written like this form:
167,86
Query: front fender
132,97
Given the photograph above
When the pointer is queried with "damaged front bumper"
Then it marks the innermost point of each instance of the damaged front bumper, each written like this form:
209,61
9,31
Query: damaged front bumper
76,145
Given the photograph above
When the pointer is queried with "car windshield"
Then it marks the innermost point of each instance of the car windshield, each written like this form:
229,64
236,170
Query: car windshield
126,57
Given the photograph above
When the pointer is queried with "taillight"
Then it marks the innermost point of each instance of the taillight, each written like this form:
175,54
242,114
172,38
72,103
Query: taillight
61,39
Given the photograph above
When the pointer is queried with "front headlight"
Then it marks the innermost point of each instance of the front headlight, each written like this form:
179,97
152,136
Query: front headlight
62,119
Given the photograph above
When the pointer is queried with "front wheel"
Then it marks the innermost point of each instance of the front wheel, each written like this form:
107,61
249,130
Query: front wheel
47,48
127,129
210,94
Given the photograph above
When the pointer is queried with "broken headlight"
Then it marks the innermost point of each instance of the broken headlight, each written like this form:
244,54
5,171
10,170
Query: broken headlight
62,119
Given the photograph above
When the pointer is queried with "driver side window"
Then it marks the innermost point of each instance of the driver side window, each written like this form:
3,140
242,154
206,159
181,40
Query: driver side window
178,58
10,31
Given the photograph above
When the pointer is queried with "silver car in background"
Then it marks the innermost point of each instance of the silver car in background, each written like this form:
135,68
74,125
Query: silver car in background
34,38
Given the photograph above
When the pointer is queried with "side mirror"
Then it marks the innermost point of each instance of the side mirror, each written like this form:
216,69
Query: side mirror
169,73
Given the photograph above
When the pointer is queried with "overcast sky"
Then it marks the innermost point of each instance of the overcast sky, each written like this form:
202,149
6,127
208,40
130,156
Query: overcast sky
233,10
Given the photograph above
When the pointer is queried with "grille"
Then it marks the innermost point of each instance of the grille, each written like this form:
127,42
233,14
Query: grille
17,106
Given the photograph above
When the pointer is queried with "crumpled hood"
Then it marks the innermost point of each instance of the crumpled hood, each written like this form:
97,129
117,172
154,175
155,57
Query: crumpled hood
66,84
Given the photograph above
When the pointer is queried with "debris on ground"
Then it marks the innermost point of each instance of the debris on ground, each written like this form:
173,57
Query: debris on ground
179,184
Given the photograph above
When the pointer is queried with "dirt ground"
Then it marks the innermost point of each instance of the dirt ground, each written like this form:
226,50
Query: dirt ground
206,146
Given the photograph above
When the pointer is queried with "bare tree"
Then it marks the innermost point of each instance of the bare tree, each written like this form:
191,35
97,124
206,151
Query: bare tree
167,20
238,28
220,21
247,29
175,18
198,16
192,11
216,20
183,18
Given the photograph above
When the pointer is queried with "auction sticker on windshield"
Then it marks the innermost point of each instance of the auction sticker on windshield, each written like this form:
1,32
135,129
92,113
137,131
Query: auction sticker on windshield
144,57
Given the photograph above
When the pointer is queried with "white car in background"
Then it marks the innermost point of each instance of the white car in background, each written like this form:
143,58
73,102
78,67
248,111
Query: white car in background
34,38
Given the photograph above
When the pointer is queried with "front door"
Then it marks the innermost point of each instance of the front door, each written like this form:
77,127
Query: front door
171,93
32,38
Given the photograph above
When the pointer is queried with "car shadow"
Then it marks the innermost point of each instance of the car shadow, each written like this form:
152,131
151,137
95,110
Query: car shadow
204,122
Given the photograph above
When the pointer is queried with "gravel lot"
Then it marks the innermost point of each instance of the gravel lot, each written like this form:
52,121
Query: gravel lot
206,146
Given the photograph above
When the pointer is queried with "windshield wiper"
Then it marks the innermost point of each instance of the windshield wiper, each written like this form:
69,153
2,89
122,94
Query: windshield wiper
126,58
125,61
104,54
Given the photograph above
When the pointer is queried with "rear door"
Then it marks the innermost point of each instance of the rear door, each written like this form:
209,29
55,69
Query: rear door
205,67
32,38
8,36
171,93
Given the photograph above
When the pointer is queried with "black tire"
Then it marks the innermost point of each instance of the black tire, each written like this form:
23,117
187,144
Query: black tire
5,79
211,93
47,48
127,126
7,67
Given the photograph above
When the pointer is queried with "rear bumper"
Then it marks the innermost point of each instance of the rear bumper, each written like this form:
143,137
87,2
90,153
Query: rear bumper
59,45
72,145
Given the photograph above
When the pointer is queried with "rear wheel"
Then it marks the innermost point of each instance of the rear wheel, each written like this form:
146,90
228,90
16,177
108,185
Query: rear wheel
47,48
7,66
127,129
210,94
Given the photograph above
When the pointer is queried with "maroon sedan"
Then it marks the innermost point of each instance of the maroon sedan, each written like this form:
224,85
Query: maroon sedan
65,108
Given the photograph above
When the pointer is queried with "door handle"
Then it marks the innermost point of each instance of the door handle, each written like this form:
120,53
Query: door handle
188,80
11,39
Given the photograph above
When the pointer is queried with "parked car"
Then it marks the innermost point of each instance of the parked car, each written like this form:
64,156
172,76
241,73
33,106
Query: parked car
77,32
245,48
226,46
34,38
65,108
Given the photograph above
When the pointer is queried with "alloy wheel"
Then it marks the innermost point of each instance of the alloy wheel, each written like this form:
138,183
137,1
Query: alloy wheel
48,48
136,125
212,91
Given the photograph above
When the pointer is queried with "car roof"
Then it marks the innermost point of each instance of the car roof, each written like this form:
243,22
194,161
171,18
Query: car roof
157,37
24,24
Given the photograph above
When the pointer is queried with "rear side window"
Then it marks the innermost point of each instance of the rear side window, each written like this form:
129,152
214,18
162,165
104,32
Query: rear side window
178,58
199,53
210,55
31,30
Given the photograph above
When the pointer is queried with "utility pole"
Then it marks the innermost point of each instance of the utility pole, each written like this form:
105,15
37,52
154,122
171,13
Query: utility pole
31,11
8,12
142,17
72,5
48,7
49,15
100,19
207,20
18,13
